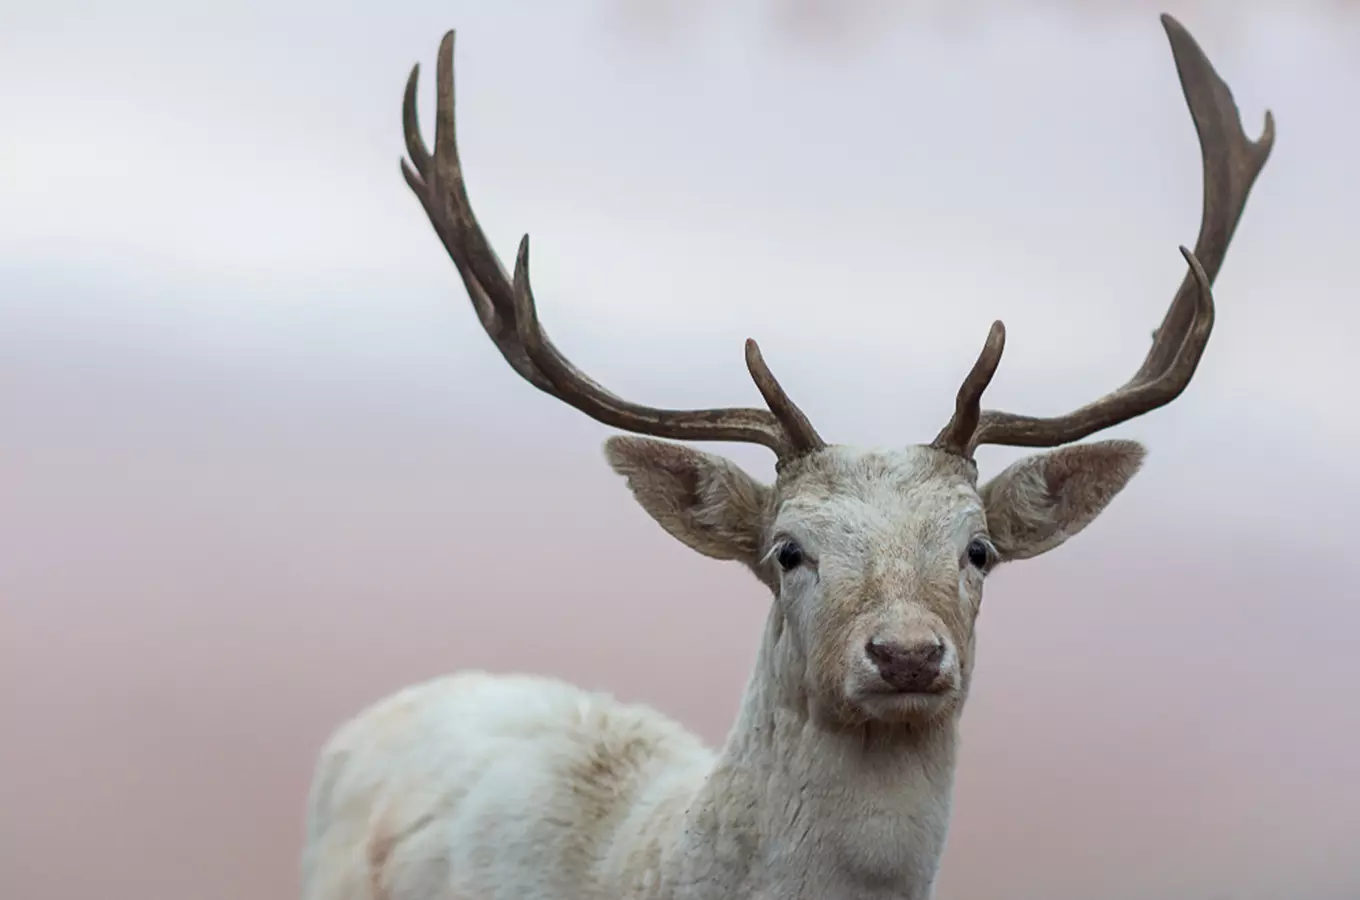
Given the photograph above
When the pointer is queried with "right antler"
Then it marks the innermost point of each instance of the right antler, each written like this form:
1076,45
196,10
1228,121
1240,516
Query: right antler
507,311
1231,164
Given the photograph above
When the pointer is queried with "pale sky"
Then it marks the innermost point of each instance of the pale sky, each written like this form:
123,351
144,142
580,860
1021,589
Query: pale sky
262,466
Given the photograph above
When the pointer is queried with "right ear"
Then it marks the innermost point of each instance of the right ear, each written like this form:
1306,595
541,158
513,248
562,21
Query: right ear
704,501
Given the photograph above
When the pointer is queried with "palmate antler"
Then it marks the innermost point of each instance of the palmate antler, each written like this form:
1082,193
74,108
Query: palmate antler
1231,164
507,311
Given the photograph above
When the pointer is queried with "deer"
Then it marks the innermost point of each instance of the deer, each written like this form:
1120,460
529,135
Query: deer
836,779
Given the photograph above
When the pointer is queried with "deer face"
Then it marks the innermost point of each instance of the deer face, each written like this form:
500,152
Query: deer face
877,560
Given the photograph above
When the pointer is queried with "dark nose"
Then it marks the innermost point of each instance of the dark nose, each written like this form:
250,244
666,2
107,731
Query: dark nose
908,668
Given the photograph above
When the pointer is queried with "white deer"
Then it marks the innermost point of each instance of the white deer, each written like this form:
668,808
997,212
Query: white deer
835,782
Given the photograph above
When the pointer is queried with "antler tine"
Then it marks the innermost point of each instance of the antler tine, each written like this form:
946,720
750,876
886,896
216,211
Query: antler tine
802,437
437,183
509,315
782,429
1231,163
956,437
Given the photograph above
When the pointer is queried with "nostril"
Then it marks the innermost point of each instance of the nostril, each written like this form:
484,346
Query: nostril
907,668
880,653
932,651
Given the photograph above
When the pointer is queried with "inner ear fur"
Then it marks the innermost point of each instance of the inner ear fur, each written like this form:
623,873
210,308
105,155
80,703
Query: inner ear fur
705,501
1039,502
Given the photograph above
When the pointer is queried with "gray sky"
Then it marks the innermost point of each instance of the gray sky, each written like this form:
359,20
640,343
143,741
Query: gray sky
262,466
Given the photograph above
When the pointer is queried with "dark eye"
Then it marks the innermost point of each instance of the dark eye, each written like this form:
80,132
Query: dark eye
790,556
979,554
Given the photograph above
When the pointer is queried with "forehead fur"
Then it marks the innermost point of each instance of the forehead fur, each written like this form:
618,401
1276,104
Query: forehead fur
841,470
917,478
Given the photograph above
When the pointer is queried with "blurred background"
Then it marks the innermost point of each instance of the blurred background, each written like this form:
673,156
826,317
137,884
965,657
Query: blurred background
261,466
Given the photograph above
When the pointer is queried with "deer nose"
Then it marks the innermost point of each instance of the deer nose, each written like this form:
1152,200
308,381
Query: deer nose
909,668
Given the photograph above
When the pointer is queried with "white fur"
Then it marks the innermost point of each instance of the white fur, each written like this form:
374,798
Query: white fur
470,786
516,787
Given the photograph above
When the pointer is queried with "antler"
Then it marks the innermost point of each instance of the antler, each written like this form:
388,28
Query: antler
509,315
1231,164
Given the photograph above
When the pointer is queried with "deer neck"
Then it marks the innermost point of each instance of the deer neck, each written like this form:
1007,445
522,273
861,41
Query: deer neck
798,808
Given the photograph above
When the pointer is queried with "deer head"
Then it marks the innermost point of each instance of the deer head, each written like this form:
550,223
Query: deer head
876,559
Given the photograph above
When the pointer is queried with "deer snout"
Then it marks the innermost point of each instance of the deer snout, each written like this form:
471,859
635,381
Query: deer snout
914,667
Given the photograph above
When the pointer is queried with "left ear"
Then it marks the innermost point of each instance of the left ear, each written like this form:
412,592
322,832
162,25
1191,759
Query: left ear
705,501
1040,501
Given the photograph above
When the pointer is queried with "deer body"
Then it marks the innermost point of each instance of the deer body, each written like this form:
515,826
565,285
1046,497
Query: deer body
836,780
503,787
515,786
523,787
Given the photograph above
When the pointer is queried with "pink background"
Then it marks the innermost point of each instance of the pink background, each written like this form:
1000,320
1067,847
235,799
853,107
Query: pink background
261,467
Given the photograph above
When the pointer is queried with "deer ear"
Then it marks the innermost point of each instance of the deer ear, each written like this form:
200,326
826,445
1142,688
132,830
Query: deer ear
704,501
1040,501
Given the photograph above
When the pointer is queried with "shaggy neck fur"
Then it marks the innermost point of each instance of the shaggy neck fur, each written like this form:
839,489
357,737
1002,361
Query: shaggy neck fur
798,807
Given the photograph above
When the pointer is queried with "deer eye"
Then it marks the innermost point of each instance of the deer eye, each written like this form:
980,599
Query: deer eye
980,554
789,556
